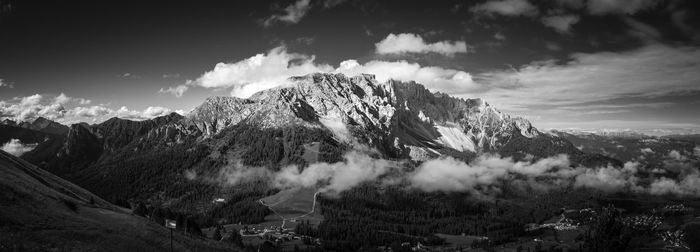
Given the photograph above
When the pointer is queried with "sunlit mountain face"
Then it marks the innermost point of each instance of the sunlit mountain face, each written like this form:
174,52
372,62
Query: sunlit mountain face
350,125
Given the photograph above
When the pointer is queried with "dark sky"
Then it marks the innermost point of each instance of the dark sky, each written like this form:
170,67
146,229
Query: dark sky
589,64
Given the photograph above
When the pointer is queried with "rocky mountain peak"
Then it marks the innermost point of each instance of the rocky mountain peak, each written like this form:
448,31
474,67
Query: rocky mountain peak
406,114
44,125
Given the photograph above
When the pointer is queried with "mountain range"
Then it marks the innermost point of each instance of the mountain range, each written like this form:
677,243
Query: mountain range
121,159
206,164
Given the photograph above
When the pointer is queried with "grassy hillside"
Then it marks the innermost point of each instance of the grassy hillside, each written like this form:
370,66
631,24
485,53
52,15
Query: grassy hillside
41,212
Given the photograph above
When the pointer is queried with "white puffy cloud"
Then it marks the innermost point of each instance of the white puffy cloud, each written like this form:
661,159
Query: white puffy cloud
506,8
434,78
291,14
148,113
31,107
619,6
151,112
63,99
485,175
260,72
177,91
17,148
609,179
412,43
264,71
449,174
687,186
561,23
67,110
482,175
124,112
336,177
90,112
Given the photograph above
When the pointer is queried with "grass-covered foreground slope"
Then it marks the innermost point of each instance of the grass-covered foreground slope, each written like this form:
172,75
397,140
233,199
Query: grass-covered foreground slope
42,212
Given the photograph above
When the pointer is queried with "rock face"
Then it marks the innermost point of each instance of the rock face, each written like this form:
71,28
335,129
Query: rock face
40,124
122,159
399,119
403,116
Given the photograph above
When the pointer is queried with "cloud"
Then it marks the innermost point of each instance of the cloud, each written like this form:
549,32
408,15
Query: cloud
129,76
334,178
333,3
595,77
151,112
236,173
260,72
599,7
171,75
17,148
292,14
31,107
485,176
6,84
641,30
481,176
177,91
499,36
609,179
434,78
336,125
506,8
148,113
264,71
412,43
647,151
66,110
687,186
562,23
90,112
63,99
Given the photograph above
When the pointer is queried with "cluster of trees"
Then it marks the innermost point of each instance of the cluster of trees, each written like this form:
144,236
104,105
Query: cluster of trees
272,147
368,217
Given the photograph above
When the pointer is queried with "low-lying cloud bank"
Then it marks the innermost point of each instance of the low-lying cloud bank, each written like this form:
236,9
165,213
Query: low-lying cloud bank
17,148
334,178
486,176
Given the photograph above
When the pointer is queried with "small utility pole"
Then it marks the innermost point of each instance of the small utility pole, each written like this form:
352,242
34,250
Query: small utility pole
171,224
